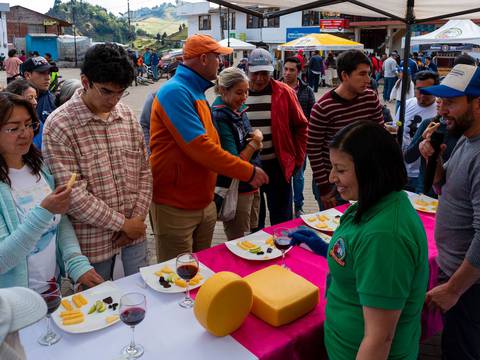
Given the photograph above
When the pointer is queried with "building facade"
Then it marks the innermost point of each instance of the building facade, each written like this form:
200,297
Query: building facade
219,22
22,21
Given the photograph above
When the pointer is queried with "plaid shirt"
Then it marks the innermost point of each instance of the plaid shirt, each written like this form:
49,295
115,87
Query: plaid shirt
114,180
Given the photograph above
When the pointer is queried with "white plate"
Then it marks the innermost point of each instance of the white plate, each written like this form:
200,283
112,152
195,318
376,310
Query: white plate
152,280
423,203
331,222
95,321
259,238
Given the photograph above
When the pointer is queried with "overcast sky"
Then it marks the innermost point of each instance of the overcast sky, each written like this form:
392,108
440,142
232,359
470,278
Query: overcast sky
114,6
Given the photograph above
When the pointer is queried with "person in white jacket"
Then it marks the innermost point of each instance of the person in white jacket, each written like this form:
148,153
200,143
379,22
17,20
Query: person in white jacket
396,93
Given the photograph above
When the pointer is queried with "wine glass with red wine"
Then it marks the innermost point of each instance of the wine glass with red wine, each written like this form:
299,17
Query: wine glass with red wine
187,268
282,241
132,311
50,292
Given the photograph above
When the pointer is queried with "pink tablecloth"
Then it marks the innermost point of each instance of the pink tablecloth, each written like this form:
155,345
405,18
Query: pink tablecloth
302,339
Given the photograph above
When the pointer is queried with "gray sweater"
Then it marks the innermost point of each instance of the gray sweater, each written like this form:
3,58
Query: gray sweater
457,230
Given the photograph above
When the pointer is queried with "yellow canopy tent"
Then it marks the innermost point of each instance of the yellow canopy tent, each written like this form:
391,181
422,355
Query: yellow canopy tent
321,42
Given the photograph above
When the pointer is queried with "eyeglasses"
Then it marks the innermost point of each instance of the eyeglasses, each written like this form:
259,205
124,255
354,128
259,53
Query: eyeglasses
19,130
111,94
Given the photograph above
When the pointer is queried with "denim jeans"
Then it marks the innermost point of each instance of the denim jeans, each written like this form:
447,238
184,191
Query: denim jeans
316,194
278,194
298,185
388,84
414,185
133,258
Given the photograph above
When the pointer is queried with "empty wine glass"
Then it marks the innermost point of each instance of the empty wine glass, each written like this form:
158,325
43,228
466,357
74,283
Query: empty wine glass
282,241
187,268
50,292
132,311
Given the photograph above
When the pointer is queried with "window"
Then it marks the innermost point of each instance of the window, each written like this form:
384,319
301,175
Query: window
204,22
223,19
273,22
36,29
253,22
310,18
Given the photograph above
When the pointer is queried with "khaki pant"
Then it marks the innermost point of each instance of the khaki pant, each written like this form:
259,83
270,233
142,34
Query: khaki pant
246,215
177,230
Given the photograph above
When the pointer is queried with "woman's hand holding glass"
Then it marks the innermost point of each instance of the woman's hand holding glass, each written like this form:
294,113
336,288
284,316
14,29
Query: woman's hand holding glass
57,202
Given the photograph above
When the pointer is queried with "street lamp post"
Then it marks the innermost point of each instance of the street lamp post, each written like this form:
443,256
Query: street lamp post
73,5
128,17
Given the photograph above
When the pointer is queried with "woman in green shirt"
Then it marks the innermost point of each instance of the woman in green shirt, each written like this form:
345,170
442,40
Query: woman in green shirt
378,256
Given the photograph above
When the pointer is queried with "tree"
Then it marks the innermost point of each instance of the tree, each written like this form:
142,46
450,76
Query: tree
158,37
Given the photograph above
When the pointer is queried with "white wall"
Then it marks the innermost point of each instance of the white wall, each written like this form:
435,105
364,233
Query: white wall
3,33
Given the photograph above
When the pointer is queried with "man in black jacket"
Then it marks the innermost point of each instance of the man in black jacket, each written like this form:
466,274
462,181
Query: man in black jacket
306,98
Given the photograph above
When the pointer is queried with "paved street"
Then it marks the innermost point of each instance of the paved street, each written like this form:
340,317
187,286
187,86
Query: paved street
430,349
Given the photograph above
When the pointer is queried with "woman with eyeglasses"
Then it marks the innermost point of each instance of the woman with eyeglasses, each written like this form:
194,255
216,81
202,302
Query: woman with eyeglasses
37,243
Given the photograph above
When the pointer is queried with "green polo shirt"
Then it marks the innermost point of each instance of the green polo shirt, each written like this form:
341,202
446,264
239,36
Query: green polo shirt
381,262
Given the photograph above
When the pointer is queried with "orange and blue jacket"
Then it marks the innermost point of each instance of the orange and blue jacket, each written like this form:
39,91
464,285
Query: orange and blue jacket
186,154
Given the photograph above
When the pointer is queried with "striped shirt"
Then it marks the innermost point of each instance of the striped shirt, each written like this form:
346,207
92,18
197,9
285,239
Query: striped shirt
330,114
260,115
114,180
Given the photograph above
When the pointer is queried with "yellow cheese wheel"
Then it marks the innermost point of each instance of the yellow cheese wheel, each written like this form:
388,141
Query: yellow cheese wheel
280,296
222,303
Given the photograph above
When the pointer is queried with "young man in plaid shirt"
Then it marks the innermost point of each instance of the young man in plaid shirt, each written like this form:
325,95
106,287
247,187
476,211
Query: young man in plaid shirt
97,137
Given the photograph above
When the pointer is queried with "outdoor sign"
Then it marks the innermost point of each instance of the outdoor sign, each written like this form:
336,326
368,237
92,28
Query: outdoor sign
296,33
333,25
49,22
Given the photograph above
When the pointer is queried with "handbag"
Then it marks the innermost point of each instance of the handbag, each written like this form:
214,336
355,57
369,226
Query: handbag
227,198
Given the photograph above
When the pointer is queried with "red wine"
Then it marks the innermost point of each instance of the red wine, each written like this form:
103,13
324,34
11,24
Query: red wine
132,316
187,272
282,243
53,302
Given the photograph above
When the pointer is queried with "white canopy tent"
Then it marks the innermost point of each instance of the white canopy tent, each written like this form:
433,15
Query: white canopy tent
409,12
423,10
237,44
453,32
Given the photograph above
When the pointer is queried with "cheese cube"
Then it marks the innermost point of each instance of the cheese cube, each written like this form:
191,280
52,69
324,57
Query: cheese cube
281,296
222,303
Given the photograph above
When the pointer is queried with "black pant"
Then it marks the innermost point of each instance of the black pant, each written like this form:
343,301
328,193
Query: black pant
313,80
461,330
279,195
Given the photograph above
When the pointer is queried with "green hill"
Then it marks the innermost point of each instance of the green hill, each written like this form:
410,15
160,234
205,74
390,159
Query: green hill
93,21
155,25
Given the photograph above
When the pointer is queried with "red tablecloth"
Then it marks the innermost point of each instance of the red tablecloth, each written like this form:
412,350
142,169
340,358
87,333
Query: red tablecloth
302,339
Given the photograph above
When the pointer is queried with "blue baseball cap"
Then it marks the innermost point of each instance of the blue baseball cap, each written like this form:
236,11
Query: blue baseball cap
462,80
260,60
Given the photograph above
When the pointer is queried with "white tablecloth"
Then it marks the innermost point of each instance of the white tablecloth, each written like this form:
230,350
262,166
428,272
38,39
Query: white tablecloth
167,332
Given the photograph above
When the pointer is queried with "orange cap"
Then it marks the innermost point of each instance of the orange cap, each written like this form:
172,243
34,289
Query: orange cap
199,44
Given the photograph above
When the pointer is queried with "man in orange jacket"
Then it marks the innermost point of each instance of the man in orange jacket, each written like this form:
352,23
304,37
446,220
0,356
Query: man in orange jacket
186,154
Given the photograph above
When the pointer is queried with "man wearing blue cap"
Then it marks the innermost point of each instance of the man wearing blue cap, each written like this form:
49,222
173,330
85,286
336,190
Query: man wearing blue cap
457,229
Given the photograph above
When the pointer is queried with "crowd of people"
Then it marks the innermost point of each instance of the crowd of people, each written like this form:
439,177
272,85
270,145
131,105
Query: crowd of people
179,165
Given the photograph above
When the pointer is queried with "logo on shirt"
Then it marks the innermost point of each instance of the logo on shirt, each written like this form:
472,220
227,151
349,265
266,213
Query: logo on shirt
338,252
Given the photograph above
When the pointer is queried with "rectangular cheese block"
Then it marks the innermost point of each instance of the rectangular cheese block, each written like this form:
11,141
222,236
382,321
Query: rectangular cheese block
280,296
